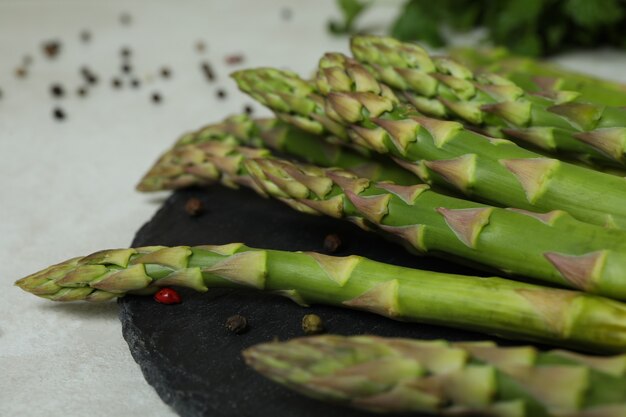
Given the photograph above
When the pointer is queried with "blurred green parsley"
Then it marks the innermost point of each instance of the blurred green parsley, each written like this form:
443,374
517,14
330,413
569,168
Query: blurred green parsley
526,27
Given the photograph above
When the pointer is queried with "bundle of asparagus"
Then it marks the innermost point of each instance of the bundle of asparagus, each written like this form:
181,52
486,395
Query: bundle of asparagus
349,100
511,241
563,226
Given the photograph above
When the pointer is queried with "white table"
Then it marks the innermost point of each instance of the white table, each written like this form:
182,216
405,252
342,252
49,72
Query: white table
67,188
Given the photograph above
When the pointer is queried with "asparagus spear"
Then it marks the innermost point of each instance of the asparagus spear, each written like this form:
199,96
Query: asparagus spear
551,247
440,152
183,165
478,378
533,75
493,305
550,119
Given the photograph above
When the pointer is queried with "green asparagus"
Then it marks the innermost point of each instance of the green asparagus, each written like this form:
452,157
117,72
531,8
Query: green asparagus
182,166
552,247
492,305
533,75
440,152
393,375
550,119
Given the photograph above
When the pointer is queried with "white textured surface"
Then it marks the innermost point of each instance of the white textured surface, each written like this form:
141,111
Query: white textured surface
66,189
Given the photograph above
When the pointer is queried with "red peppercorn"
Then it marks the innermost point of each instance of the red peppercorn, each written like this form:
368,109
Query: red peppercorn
234,59
167,296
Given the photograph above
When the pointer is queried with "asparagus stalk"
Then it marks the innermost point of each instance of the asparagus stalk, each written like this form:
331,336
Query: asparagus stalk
550,119
552,247
393,375
440,152
184,166
533,75
492,305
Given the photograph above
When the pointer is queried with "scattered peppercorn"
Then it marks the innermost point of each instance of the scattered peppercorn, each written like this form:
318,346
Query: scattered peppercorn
200,46
167,296
312,324
21,72
135,83
126,19
237,324
116,83
127,68
248,109
156,97
58,113
125,52
234,59
286,13
81,91
85,36
332,243
208,71
57,90
221,93
194,207
51,48
89,76
165,72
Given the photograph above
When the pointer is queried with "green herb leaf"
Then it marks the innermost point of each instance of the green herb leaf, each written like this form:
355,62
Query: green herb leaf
419,20
350,10
594,14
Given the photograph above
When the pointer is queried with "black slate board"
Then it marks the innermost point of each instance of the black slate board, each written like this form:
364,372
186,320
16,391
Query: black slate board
184,350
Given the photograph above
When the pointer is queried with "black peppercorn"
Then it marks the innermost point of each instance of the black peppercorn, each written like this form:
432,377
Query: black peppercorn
237,324
221,94
58,113
116,83
51,48
126,19
85,36
194,207
88,76
208,71
57,90
286,13
332,243
156,97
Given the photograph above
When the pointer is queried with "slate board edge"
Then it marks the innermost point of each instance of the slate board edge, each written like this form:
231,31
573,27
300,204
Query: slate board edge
179,401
